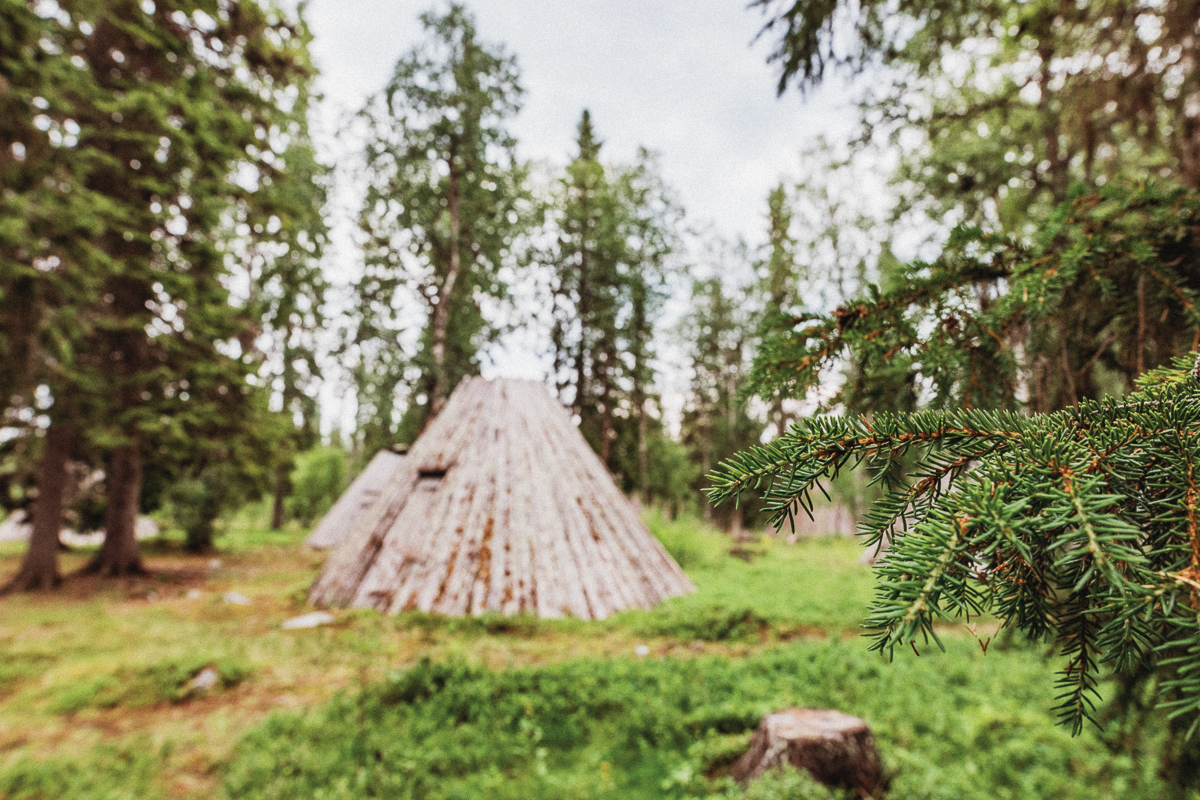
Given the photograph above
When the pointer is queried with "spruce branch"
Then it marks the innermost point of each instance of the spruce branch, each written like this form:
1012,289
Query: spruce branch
1083,524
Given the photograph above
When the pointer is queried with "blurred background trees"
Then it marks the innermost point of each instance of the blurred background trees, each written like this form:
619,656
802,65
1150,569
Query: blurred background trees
616,232
140,133
168,319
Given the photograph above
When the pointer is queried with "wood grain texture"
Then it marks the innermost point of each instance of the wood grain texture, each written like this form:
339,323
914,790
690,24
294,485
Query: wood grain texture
500,506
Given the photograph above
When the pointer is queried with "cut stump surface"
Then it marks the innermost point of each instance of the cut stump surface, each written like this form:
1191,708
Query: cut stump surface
836,749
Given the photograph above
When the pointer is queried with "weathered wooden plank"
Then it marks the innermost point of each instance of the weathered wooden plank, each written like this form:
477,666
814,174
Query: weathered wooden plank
353,556
495,556
550,593
400,552
594,578
478,525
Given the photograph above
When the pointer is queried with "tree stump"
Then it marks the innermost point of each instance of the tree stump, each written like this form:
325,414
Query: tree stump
836,749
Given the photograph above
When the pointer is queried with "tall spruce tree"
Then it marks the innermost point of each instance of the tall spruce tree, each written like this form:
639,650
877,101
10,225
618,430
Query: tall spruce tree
294,317
721,331
650,231
587,290
48,218
445,201
284,244
781,278
157,106
616,233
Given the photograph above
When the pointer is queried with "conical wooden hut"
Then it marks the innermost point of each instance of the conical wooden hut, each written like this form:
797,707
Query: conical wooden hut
500,506
358,497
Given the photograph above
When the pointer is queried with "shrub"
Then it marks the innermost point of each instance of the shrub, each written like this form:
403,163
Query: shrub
688,541
195,504
317,481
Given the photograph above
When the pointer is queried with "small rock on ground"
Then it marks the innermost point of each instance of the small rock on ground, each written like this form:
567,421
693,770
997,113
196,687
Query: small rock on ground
313,620
236,598
205,679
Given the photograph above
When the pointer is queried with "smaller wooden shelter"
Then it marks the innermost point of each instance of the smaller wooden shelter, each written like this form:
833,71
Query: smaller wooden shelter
500,506
357,498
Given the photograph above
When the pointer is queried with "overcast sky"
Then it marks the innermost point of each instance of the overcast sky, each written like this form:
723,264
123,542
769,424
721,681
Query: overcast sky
681,77
678,76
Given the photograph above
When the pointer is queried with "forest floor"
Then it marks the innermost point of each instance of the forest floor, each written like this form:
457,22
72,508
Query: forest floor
95,697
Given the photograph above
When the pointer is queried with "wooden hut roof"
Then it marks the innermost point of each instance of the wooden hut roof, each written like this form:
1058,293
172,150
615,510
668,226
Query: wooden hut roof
502,506
357,498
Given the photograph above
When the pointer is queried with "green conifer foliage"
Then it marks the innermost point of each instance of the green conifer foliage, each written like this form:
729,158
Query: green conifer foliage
281,252
721,335
587,288
1013,100
1078,523
1108,289
651,239
48,219
1082,524
780,275
445,200
159,117
616,230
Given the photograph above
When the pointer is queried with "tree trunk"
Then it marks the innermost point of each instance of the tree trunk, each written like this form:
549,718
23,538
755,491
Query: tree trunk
1189,152
606,416
39,569
281,490
836,749
441,312
706,457
643,450
779,417
640,334
123,483
583,309
1059,178
558,337
737,531
1139,364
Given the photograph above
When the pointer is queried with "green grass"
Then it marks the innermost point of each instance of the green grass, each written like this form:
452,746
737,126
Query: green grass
959,725
94,700
169,681
817,582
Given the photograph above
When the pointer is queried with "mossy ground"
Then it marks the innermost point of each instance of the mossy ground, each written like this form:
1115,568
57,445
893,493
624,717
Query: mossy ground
94,678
